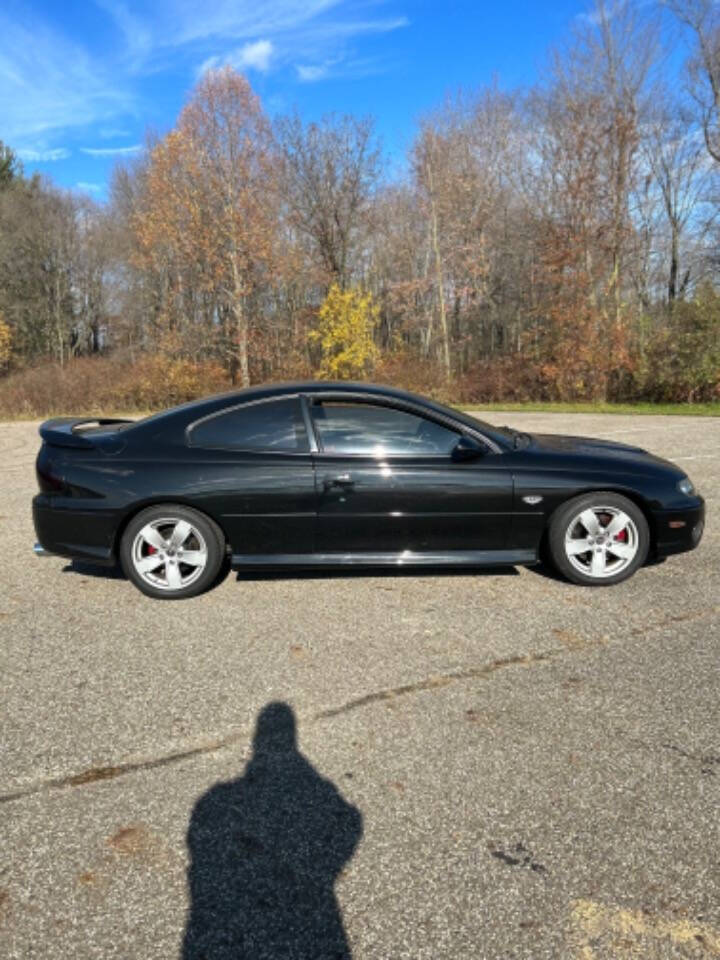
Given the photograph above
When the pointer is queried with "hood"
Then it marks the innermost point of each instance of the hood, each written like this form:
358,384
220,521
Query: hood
623,454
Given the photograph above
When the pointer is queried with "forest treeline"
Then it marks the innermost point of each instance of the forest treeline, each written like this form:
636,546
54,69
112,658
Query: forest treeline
557,243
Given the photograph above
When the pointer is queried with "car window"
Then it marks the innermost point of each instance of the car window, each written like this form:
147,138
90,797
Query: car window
373,430
277,426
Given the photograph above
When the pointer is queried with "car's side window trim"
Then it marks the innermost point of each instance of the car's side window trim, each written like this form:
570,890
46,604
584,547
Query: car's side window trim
396,403
309,424
254,451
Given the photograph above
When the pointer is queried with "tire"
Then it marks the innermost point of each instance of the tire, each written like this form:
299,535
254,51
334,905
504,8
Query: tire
172,552
612,529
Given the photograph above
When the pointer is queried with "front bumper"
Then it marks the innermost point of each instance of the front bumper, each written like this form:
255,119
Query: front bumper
676,531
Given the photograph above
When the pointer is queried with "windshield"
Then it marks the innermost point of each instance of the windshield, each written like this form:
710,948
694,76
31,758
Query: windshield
503,436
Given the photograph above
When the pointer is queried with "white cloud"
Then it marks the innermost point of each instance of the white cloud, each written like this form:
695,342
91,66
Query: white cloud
53,82
349,68
326,45
276,32
317,41
311,73
187,21
136,34
151,32
90,187
50,83
256,55
42,156
111,151
251,56
354,28
112,133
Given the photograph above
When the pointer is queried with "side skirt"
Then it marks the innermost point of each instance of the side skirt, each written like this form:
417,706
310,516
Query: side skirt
406,558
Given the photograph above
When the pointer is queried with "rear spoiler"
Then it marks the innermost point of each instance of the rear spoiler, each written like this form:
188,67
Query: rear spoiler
67,431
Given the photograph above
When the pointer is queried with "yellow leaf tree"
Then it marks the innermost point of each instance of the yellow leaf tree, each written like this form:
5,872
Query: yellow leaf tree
344,332
5,344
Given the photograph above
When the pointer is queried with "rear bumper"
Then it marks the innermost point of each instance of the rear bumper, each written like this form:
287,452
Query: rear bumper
677,531
78,534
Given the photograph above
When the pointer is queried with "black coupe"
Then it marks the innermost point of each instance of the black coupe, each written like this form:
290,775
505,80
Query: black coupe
339,474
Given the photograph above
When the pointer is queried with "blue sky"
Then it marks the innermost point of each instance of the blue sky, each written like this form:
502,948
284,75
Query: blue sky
81,81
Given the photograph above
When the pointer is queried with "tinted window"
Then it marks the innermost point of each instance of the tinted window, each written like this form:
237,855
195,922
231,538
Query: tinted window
379,431
274,425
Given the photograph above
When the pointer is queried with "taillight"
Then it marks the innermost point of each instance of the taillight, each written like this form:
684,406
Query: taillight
48,476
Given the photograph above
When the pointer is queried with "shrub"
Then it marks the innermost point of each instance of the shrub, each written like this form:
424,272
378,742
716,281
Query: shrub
104,384
344,333
683,363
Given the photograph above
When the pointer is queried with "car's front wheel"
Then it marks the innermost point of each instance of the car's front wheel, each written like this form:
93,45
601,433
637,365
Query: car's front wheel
172,552
598,539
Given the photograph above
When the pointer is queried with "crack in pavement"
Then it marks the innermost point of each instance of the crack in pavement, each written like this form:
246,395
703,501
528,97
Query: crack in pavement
95,774
112,772
440,680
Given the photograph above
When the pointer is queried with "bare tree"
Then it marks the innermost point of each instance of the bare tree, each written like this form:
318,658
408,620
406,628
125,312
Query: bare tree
611,63
675,156
329,172
38,267
703,19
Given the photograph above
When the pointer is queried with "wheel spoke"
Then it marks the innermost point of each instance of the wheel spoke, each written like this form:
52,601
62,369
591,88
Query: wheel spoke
172,574
574,547
590,522
194,558
164,562
625,551
599,562
618,523
153,537
180,534
147,564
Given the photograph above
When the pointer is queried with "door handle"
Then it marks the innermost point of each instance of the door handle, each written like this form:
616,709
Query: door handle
342,480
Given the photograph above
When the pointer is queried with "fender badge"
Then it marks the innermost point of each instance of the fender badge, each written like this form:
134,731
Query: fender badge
532,500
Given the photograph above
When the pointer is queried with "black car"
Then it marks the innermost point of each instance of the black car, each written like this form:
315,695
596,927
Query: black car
348,474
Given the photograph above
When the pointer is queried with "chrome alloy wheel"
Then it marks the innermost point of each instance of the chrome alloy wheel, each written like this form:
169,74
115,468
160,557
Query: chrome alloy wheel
601,541
169,554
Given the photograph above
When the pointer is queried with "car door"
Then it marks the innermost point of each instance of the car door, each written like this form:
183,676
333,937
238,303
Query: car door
252,471
387,482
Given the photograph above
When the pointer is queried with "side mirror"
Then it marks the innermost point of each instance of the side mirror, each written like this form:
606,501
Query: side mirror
467,448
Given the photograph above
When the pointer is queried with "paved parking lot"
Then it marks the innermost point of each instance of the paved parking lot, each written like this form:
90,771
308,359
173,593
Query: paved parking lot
485,765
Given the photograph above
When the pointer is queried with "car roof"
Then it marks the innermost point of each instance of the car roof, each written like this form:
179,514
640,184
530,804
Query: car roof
179,417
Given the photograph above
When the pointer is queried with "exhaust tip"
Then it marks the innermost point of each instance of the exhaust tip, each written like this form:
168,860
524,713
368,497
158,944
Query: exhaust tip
40,551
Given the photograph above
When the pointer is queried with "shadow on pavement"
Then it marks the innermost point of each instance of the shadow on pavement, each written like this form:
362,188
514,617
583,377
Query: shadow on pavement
85,569
265,852
342,573
328,573
94,570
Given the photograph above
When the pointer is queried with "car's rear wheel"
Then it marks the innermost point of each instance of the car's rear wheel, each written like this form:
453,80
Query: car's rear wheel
172,552
598,539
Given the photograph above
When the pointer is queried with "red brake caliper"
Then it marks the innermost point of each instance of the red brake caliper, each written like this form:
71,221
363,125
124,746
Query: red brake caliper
622,535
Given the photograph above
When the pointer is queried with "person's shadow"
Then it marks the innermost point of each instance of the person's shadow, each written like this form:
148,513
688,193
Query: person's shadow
265,851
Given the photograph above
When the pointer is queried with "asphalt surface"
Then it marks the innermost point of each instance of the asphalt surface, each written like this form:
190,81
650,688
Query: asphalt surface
488,765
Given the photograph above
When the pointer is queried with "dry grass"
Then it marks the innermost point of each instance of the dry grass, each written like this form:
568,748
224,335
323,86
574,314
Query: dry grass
119,384
95,385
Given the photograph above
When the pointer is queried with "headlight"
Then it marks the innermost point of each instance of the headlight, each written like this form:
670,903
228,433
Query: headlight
686,486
